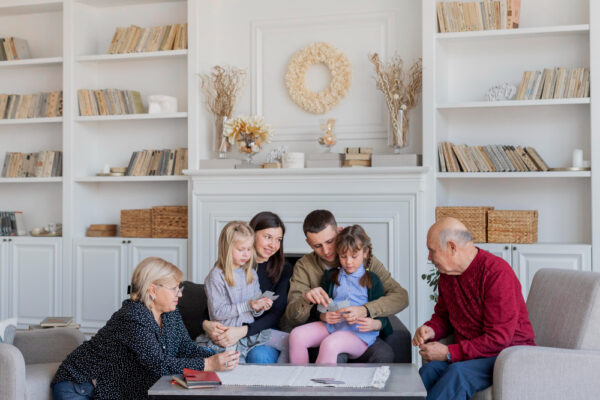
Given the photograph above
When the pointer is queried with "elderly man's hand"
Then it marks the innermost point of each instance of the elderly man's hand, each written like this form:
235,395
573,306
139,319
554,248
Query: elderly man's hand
434,351
423,334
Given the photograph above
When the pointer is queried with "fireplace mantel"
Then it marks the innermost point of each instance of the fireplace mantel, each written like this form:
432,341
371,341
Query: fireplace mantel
387,202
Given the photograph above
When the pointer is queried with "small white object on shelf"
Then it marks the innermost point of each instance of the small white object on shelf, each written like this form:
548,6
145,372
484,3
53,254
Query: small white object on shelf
293,160
161,104
505,91
577,158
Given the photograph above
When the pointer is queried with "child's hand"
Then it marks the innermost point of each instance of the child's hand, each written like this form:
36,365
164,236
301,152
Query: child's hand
368,324
331,317
261,304
214,329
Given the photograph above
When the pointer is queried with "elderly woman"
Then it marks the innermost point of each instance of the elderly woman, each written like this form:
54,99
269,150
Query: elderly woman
274,275
141,342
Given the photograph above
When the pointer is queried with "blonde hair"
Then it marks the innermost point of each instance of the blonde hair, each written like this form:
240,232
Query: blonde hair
231,233
152,270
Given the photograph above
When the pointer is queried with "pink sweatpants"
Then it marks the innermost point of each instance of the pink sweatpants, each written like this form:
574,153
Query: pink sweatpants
315,333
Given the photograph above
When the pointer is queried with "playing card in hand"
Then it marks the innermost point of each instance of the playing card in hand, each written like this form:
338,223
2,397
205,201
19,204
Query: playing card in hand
268,294
333,307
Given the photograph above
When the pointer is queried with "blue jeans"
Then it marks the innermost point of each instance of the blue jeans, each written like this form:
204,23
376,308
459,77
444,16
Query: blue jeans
68,390
459,380
262,355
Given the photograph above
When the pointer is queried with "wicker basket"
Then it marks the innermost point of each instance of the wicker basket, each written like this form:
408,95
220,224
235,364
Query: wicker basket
512,226
136,223
474,218
170,222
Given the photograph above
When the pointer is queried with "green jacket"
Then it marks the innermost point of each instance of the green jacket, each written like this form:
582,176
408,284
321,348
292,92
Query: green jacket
373,293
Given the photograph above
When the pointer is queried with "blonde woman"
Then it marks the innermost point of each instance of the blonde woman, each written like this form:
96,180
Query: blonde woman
141,342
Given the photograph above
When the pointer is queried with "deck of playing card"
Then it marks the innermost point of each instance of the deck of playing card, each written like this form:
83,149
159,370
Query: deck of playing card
328,381
268,294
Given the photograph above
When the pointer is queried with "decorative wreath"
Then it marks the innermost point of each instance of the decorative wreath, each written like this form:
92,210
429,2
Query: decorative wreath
341,77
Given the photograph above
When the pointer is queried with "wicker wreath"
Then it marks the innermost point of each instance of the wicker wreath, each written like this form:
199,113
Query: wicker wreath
339,68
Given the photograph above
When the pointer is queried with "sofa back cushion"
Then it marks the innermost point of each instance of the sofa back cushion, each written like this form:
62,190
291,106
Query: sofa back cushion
564,309
193,308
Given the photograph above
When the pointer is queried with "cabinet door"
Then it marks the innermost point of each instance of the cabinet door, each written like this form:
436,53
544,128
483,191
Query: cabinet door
101,280
529,258
498,249
171,250
35,278
4,278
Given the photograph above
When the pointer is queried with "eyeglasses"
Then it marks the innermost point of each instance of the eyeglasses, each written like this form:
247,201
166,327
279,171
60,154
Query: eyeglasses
175,289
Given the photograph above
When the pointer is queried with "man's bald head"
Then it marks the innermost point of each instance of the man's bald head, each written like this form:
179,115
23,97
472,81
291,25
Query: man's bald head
450,245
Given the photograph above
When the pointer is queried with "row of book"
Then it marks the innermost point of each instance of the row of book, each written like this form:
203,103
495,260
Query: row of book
489,158
555,83
13,48
109,102
23,165
11,223
458,16
39,105
158,162
357,157
134,39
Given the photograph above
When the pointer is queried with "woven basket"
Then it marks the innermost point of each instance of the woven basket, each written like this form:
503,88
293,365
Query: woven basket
136,223
474,218
170,222
513,226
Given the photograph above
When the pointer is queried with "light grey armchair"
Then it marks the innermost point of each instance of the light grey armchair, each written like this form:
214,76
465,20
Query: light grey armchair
564,309
28,366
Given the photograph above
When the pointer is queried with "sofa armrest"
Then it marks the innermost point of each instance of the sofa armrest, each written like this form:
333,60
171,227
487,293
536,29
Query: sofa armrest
12,373
529,372
48,345
400,340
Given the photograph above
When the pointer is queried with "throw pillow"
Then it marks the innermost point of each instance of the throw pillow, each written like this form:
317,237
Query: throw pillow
8,328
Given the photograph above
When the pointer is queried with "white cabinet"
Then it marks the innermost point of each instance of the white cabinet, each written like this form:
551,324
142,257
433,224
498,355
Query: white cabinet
103,269
30,278
527,259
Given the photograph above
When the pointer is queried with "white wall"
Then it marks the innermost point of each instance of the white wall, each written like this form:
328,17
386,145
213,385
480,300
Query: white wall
261,36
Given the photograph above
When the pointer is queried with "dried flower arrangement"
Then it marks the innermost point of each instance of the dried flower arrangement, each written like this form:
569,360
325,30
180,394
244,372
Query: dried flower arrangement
341,77
402,91
222,88
248,134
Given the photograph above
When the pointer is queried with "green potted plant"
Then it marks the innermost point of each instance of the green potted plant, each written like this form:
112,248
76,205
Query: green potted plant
432,278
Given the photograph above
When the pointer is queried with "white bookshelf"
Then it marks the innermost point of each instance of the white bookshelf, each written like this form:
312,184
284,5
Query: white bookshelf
130,117
131,56
52,179
31,62
464,65
126,179
25,121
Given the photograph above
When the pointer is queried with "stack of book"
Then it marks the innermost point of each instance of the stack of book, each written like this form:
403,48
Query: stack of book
158,162
23,165
357,157
555,83
56,322
109,102
193,379
13,48
11,223
39,105
134,39
324,160
489,158
458,16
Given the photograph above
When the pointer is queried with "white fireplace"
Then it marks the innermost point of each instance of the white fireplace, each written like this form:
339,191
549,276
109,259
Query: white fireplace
387,202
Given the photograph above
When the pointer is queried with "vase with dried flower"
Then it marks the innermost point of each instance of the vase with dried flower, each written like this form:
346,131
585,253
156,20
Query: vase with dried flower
328,140
402,91
222,88
248,134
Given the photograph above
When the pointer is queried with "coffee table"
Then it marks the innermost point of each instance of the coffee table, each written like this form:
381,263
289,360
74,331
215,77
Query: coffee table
404,383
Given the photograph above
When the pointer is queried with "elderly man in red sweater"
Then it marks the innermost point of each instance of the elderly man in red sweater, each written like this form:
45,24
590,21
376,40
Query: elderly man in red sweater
480,301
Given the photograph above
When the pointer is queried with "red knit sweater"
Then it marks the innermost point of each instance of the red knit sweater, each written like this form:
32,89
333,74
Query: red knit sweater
484,308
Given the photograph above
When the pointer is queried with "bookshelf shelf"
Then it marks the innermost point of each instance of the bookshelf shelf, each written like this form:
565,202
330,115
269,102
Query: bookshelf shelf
516,33
125,179
513,103
32,62
22,121
514,175
132,56
54,179
129,117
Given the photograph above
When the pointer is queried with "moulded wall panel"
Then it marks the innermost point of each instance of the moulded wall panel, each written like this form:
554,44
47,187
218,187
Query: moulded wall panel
171,250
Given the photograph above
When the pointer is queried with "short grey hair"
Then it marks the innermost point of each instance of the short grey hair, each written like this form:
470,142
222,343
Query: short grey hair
460,236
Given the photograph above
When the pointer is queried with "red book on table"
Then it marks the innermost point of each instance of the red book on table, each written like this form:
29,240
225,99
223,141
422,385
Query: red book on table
205,378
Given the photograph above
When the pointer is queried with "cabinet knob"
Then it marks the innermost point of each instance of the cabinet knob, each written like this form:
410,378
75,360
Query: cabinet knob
505,247
129,241
514,247
4,240
124,241
10,240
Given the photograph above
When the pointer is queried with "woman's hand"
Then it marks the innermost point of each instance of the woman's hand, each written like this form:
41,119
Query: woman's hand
231,336
214,329
261,304
225,361
368,324
331,317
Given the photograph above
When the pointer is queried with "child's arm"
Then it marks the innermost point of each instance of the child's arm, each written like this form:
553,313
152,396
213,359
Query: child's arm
220,307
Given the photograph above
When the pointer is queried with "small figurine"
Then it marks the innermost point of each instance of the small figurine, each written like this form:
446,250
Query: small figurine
328,139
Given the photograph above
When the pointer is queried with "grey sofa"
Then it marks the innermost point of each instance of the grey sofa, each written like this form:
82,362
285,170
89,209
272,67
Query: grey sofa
28,366
564,309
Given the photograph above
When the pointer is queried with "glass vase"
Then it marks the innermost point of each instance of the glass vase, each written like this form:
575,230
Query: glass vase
221,145
398,131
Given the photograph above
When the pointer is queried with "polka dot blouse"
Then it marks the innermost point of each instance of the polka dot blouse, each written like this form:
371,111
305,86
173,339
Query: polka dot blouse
128,355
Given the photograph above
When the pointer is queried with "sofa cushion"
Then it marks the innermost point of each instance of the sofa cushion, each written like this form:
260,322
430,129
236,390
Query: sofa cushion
38,378
193,308
8,328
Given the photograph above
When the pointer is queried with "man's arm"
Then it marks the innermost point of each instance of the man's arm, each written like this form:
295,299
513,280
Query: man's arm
440,320
395,298
298,309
